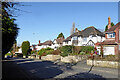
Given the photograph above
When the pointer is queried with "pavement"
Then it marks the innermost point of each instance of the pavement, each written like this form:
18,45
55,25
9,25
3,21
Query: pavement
35,69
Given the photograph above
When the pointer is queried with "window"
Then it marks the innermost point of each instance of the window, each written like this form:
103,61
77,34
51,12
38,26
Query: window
66,42
75,38
90,36
84,39
119,34
111,35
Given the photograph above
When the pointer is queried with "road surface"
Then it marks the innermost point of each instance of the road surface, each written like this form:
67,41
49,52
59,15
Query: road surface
28,68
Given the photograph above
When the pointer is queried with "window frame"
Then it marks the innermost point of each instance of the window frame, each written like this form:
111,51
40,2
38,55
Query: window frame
111,35
75,38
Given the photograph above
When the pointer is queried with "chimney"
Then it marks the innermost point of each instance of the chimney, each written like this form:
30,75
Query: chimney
76,30
39,41
109,22
81,29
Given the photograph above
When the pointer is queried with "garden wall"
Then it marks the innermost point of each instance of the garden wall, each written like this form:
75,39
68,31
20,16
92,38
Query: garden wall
51,57
73,59
111,64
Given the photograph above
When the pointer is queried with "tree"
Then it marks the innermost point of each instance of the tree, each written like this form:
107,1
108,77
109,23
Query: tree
9,28
73,28
106,28
60,35
25,47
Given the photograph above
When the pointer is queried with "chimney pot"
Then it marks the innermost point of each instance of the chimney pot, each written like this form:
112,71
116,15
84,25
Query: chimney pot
39,41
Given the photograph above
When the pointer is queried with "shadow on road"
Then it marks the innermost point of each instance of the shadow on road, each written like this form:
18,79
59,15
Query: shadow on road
84,76
43,69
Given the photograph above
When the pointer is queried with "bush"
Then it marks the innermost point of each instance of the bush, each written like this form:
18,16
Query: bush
87,49
48,48
77,49
8,54
82,53
40,52
56,52
25,47
45,51
34,51
65,50
49,51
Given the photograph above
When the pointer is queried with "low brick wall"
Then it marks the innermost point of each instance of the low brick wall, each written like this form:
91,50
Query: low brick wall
110,64
72,59
51,57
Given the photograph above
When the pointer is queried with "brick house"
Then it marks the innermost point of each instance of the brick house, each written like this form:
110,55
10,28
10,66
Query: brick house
111,45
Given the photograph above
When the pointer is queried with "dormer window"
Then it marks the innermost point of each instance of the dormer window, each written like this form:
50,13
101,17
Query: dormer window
111,35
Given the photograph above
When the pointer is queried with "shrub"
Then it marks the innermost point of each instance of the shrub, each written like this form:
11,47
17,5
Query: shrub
34,51
40,52
82,53
48,48
77,49
25,47
65,50
49,51
87,49
56,52
8,54
45,51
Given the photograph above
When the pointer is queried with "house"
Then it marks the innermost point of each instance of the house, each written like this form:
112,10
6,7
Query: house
111,45
67,41
57,43
46,44
86,37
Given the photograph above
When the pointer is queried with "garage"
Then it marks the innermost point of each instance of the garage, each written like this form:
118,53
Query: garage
109,50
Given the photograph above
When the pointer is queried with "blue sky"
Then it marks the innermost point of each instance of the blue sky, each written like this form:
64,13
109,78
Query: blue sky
47,19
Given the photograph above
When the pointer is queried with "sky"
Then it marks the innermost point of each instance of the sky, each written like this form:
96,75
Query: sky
45,20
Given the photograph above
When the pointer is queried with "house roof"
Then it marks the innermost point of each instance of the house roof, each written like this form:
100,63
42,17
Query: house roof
49,42
67,39
106,42
91,31
76,34
109,42
86,32
113,28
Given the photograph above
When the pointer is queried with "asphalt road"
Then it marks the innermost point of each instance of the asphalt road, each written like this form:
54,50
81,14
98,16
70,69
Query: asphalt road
29,69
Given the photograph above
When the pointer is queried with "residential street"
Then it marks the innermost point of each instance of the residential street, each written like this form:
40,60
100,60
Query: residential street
28,68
